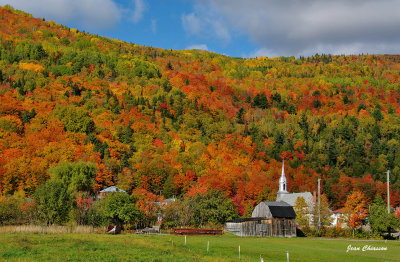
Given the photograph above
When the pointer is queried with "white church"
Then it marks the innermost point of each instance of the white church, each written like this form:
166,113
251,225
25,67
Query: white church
291,198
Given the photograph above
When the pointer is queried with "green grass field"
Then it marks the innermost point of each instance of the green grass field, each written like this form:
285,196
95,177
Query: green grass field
130,247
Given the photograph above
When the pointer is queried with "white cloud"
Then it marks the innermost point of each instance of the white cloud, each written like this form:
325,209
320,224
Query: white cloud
153,26
137,14
198,46
91,14
220,30
192,24
205,24
305,27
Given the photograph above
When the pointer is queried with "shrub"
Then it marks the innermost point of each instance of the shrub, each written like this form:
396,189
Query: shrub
10,212
96,215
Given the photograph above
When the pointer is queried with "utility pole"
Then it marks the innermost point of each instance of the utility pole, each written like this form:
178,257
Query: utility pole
388,192
319,204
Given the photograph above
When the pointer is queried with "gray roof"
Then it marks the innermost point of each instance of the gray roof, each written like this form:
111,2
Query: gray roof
291,198
112,189
276,204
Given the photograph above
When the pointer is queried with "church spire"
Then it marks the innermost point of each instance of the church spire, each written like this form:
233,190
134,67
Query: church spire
282,181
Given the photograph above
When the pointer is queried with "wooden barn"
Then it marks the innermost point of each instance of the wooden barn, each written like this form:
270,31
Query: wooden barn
268,219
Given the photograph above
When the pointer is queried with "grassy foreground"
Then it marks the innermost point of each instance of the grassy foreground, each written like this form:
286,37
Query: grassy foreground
129,247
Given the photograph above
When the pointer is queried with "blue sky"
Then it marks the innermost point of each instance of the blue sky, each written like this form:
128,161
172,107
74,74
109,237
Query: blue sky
167,24
245,28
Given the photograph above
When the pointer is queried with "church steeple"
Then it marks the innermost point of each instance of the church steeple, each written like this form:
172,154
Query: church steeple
282,181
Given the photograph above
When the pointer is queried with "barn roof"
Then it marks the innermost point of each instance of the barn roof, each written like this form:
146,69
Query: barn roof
282,211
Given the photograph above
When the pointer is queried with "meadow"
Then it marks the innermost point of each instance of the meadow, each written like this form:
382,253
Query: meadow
131,247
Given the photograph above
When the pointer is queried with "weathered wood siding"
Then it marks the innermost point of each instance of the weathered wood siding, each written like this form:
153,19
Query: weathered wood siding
234,228
260,228
283,227
263,228
262,210
262,223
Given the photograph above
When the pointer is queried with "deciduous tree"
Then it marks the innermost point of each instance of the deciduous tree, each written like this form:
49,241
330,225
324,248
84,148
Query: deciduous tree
302,212
379,218
120,209
54,202
355,210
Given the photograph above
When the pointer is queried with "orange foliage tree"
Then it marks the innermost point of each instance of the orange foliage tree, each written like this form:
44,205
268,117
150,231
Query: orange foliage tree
355,209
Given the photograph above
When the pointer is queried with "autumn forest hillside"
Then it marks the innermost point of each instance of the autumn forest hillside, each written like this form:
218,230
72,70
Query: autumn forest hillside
165,122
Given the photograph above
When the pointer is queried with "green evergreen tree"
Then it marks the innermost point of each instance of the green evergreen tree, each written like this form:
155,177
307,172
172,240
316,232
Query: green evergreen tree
239,115
377,114
169,187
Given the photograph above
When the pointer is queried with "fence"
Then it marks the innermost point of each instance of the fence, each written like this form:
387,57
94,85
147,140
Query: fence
196,231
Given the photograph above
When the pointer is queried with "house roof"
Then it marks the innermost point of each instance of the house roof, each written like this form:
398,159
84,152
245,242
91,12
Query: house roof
112,189
291,198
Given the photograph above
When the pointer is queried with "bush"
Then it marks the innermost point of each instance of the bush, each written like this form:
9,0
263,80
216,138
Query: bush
10,212
177,214
17,210
96,214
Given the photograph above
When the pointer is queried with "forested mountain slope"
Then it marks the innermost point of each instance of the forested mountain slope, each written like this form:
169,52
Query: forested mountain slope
167,122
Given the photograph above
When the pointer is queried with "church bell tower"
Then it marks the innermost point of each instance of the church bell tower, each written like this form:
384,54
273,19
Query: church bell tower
282,182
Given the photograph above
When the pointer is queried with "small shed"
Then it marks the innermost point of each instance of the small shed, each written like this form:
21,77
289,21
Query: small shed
103,193
268,219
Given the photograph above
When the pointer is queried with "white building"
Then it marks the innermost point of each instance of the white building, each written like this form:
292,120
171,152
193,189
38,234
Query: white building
291,198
